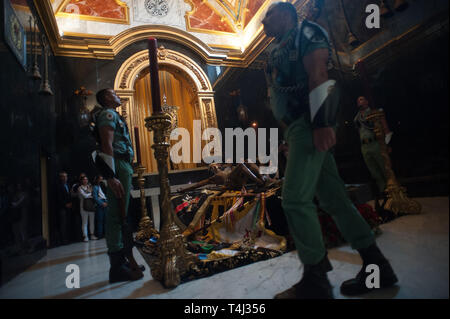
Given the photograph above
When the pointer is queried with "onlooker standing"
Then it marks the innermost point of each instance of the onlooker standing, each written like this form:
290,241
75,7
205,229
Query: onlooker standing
76,235
100,199
85,193
64,207
19,211
4,208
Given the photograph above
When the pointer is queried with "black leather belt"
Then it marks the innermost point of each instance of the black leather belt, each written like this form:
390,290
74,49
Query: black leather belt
289,119
124,157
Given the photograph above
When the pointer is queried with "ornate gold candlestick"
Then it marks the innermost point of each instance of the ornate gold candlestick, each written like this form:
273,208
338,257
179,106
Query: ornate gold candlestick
146,226
397,201
174,260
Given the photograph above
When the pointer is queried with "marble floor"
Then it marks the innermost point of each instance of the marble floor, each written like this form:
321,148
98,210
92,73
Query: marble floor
417,245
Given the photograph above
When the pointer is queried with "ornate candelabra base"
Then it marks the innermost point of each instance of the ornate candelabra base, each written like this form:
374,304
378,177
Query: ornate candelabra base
146,227
398,201
174,260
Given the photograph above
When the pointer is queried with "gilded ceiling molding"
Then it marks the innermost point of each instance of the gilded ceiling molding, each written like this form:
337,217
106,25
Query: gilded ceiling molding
135,34
104,47
236,12
130,69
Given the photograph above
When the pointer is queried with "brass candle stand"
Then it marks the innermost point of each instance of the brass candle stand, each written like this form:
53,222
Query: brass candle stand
398,201
146,225
174,260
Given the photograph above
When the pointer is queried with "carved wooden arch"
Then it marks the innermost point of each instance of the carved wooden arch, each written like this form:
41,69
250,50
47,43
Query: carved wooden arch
196,77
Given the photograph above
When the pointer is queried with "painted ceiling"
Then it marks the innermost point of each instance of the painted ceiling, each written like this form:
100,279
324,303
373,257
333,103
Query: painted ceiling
225,23
203,16
225,32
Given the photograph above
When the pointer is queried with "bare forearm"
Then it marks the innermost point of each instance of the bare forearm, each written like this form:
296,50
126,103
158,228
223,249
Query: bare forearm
107,149
316,66
106,138
318,77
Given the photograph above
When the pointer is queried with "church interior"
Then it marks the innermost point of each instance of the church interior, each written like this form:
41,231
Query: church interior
231,237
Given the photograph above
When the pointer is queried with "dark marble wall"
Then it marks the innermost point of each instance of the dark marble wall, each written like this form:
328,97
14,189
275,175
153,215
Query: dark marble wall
334,13
27,139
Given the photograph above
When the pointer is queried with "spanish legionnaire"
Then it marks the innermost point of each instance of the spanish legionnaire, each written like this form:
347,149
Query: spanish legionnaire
114,162
370,148
305,101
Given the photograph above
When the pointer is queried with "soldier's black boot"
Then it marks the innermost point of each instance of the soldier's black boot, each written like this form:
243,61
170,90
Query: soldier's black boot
313,285
141,267
358,285
119,271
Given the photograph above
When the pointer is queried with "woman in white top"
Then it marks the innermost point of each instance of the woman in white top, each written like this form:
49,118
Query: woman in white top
85,192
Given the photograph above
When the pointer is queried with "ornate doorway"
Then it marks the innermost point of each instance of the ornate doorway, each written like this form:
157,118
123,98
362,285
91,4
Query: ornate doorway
185,86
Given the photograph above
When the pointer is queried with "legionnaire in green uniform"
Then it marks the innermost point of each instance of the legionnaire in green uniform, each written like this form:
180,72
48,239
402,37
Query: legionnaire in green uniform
370,148
114,162
305,101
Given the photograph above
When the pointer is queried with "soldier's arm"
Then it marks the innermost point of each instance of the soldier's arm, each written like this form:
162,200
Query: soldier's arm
106,146
315,63
316,67
106,137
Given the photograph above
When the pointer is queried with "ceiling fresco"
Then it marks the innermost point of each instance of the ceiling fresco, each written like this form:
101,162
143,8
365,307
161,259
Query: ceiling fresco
117,11
225,32
214,16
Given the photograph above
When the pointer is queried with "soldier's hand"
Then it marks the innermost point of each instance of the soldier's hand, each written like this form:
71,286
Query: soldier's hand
324,138
116,187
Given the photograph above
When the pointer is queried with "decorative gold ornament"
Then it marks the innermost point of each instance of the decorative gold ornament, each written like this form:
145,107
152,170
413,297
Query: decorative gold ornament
174,260
398,201
146,226
35,74
172,110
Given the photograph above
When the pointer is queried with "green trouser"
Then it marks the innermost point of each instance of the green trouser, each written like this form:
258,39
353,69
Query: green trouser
372,156
309,173
113,233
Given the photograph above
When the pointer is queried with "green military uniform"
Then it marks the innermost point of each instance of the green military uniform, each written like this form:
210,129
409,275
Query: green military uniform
309,172
370,149
123,155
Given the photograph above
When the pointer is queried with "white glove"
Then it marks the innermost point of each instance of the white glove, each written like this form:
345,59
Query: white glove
388,137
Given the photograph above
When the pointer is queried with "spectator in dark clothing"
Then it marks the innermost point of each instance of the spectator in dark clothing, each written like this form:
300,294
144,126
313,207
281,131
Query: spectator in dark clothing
64,207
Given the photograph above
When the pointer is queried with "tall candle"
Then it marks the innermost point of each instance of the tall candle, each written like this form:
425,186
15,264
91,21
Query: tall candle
138,145
154,77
